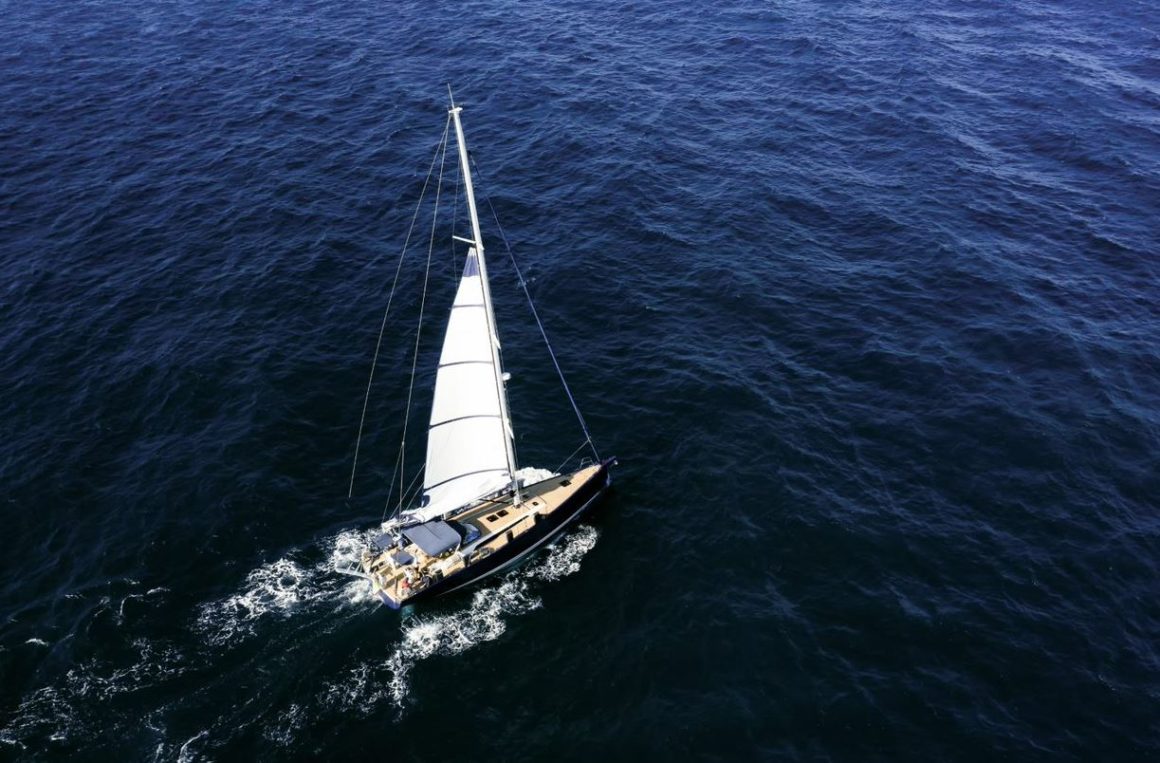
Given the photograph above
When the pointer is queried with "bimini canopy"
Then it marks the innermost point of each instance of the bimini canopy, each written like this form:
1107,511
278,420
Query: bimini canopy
433,537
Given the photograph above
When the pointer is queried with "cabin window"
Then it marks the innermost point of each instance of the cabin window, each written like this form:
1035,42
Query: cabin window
565,483
501,513
492,518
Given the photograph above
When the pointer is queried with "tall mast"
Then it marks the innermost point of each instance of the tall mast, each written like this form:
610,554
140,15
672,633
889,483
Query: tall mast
509,440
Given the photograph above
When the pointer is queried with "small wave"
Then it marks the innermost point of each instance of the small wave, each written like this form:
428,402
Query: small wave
63,712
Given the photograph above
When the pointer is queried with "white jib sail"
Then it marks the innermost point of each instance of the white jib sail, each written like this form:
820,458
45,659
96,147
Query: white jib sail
467,441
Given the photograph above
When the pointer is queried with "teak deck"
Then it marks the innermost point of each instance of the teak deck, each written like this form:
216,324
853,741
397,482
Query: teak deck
499,521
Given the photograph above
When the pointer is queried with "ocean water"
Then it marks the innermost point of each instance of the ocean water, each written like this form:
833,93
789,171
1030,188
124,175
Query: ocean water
864,295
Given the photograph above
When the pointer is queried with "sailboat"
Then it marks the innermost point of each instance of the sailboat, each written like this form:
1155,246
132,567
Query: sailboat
479,513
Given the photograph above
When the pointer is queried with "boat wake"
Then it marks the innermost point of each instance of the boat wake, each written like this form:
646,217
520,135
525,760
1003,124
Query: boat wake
61,713
484,619
285,587
295,587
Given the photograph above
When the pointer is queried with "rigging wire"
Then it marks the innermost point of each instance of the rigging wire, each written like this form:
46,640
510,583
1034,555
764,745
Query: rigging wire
419,329
454,220
400,464
387,311
560,468
536,315
409,492
415,488
395,474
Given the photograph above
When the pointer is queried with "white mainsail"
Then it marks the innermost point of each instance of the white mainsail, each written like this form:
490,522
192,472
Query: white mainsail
469,442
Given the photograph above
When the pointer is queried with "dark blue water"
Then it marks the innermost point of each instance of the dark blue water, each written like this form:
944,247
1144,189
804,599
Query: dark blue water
864,295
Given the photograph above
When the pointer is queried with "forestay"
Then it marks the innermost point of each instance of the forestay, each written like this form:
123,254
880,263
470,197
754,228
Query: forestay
468,439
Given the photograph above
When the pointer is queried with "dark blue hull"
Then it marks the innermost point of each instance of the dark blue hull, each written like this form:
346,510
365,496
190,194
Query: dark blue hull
546,530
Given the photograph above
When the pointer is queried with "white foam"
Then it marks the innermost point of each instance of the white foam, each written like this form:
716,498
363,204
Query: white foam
285,587
272,588
564,558
10,742
359,690
46,710
61,710
485,618
140,596
185,754
287,723
155,663
345,551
